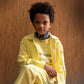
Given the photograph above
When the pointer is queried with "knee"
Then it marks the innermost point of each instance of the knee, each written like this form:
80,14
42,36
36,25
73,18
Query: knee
27,67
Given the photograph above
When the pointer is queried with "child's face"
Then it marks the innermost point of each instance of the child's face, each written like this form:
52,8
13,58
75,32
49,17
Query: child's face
41,23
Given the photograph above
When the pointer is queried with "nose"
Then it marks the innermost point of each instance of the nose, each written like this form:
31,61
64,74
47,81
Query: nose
41,25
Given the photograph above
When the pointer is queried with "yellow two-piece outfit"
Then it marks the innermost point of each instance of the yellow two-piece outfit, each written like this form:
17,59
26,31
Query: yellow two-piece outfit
32,57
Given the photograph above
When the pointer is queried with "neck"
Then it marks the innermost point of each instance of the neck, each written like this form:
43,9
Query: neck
41,37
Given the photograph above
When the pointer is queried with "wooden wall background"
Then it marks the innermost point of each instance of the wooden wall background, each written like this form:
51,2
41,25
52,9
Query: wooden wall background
68,26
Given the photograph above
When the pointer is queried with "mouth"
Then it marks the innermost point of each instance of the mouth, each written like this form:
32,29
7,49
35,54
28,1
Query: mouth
41,29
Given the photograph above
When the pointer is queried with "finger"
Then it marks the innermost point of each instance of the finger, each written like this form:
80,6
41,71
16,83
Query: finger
50,74
54,73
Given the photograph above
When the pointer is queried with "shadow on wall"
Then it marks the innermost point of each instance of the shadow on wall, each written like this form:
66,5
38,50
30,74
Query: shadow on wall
7,5
79,14
80,11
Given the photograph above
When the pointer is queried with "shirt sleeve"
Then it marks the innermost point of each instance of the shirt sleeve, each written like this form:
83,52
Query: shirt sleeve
61,75
25,59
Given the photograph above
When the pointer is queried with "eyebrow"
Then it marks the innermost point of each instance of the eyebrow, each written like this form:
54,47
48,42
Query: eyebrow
45,21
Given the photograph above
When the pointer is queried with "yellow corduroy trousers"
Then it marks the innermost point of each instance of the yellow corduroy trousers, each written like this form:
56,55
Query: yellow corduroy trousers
31,74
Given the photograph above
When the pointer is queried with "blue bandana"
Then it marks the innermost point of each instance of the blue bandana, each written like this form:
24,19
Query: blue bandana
41,37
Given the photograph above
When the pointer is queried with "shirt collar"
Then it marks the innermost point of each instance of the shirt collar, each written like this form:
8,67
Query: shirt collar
31,36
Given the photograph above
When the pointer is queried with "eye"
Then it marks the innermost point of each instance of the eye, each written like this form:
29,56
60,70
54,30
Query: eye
45,22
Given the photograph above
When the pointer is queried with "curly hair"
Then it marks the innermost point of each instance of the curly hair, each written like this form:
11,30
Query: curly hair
43,8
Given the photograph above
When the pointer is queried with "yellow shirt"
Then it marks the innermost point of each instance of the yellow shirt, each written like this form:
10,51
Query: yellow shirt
29,54
44,49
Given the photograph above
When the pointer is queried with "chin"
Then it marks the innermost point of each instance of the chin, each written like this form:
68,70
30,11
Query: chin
41,33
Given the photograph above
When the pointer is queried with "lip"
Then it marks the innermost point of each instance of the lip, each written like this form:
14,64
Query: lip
40,29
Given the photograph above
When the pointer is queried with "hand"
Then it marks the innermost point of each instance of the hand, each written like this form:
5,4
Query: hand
50,70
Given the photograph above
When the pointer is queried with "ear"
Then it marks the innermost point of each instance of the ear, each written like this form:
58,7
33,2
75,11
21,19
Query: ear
50,25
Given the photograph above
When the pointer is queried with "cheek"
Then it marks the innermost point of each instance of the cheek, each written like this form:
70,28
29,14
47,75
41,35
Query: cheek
46,29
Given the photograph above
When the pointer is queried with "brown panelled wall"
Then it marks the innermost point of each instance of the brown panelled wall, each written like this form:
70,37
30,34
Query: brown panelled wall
68,26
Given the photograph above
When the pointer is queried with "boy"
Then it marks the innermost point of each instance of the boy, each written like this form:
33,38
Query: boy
41,54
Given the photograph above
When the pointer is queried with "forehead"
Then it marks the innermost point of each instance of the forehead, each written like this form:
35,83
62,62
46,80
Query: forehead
40,16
